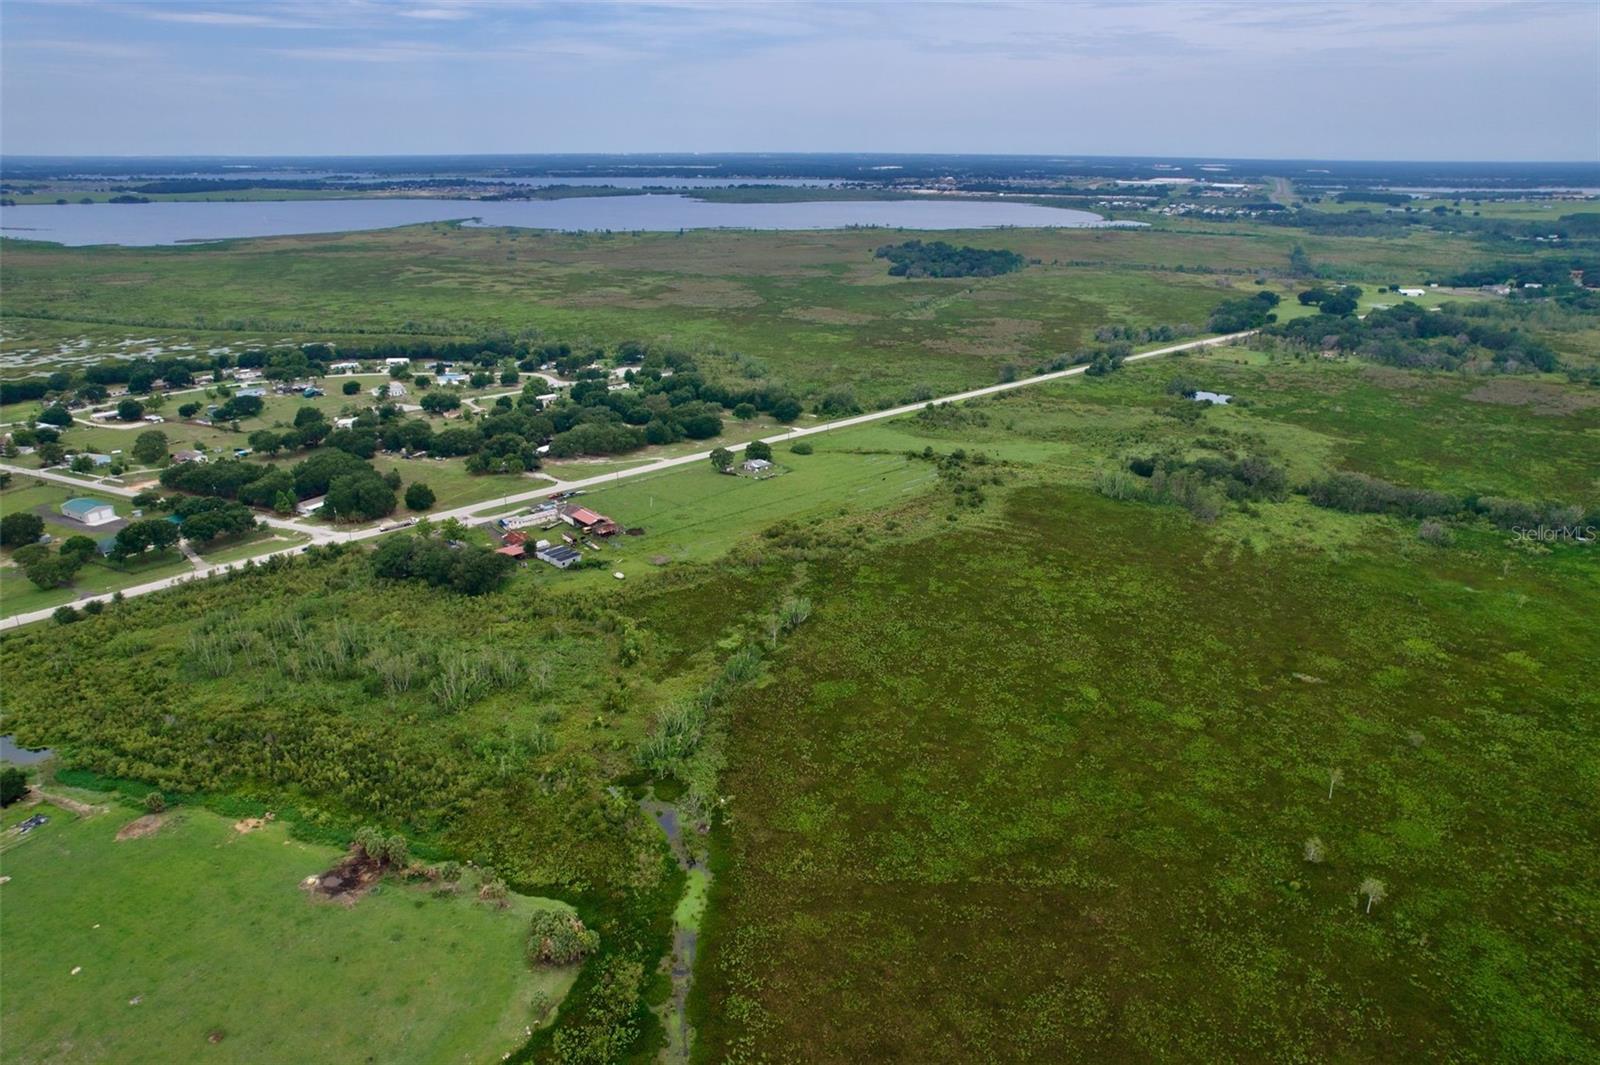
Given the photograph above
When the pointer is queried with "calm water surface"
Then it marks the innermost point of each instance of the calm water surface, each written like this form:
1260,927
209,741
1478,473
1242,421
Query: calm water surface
174,223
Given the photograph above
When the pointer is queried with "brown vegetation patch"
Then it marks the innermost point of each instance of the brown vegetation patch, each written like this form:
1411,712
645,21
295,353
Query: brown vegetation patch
139,827
251,824
711,294
829,316
996,336
346,882
1540,397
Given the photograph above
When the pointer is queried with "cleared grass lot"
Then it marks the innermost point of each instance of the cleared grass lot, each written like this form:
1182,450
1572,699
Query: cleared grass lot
198,941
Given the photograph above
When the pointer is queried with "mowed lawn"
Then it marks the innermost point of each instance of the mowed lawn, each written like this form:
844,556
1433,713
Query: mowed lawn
696,514
198,943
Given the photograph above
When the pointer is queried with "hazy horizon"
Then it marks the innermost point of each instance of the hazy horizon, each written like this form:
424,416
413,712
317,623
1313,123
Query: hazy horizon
1427,82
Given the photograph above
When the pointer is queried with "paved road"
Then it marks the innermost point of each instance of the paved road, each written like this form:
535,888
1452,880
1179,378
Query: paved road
481,509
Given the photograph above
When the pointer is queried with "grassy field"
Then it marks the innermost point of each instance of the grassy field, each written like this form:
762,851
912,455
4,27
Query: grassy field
816,310
199,941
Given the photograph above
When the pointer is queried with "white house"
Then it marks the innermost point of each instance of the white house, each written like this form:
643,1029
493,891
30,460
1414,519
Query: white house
343,367
757,465
395,388
392,363
307,507
343,423
1413,292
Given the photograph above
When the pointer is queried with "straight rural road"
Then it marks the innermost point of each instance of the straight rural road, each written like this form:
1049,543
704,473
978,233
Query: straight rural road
479,510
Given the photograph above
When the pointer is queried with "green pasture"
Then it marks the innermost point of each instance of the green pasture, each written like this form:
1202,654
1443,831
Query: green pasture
200,941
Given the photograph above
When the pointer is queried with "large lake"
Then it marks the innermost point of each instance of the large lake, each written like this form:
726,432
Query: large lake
174,223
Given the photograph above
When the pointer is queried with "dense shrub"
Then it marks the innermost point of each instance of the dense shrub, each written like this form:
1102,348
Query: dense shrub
558,937
1235,316
469,569
13,785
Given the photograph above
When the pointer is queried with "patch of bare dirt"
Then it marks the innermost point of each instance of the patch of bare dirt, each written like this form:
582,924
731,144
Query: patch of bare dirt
247,825
140,827
346,882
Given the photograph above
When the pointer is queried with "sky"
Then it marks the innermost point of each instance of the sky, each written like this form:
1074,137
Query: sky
1462,80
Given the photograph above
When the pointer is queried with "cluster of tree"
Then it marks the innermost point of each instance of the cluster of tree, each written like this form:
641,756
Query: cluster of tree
1247,478
206,519
20,528
1358,493
354,490
310,429
464,568
1549,272
1149,334
914,258
1410,336
137,537
1201,486
1237,315
656,408
1331,301
47,569
1392,199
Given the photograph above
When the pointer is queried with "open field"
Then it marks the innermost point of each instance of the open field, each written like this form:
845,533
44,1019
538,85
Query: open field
200,941
816,310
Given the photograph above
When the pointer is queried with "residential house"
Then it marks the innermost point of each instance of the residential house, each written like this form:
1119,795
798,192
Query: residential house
307,507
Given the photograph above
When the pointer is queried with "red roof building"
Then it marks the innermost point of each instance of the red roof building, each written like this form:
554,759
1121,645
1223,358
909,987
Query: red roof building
512,550
590,522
